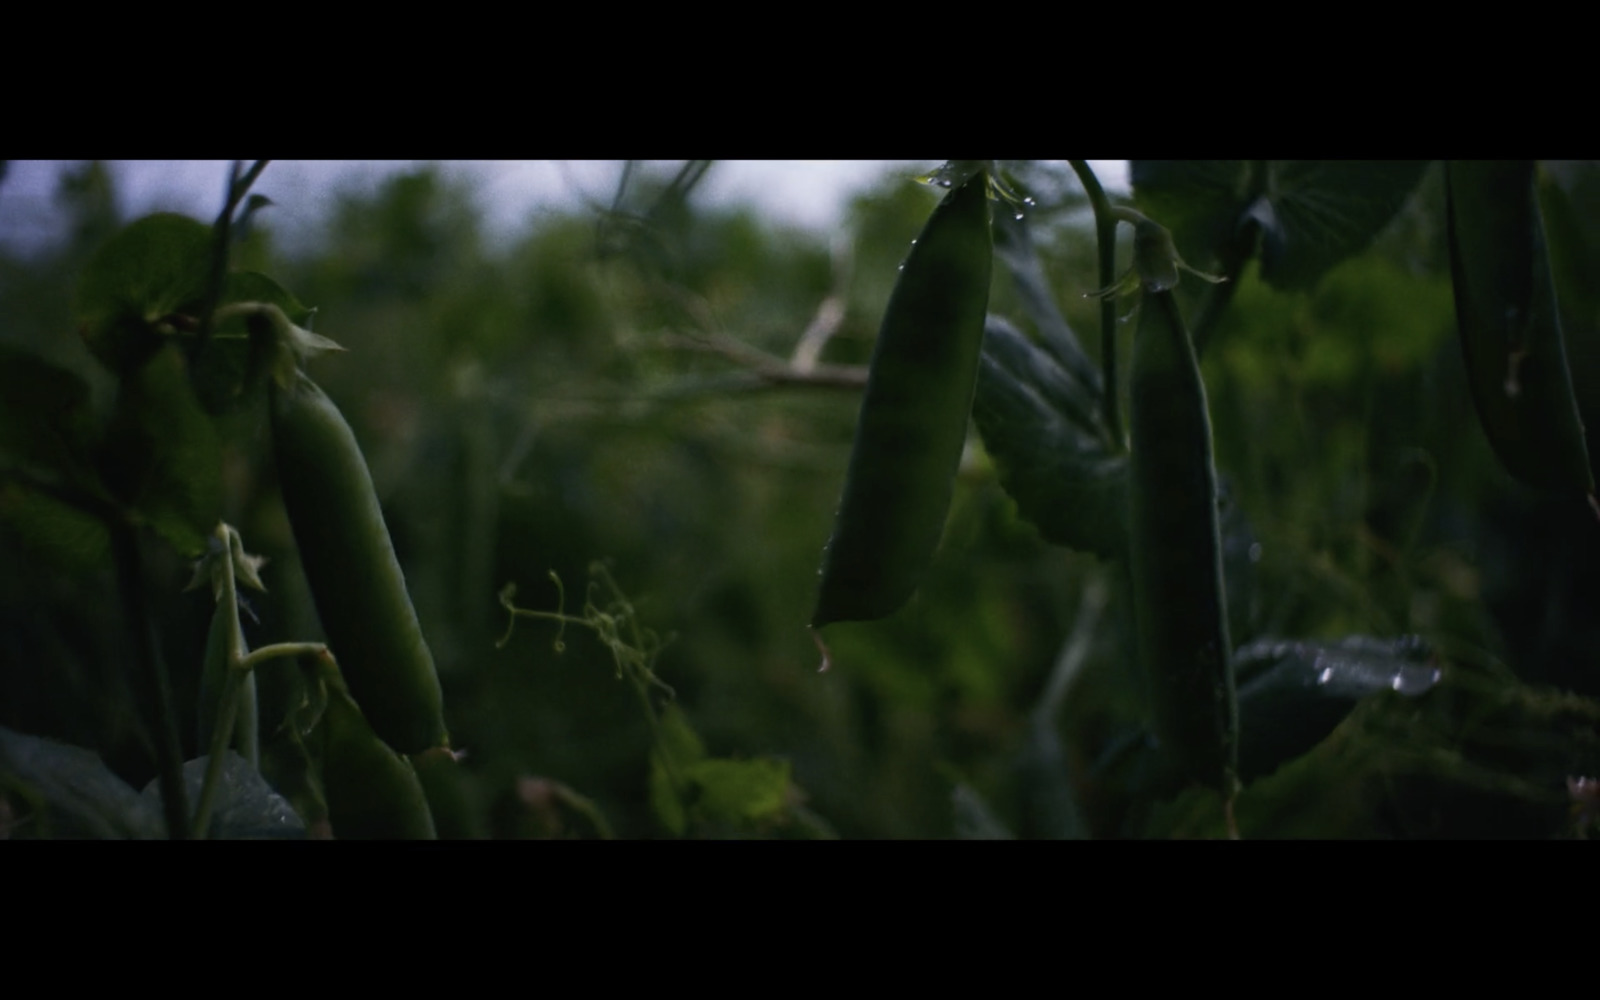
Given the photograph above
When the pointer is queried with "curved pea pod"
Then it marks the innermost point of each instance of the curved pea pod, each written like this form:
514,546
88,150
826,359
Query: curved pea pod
913,420
349,561
372,792
213,681
449,791
1511,337
1175,552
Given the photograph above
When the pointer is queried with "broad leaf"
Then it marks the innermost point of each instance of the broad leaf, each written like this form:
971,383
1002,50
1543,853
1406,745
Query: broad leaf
67,792
1037,425
1014,248
162,456
45,421
1311,213
153,269
54,529
1293,694
244,807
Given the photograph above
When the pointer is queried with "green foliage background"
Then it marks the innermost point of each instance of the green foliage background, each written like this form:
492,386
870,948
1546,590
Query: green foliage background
539,406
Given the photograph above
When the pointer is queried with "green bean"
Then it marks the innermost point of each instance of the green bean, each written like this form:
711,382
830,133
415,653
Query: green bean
1180,607
913,420
349,561
1511,337
372,792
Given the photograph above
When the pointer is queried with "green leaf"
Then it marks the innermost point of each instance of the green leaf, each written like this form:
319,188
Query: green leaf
244,807
1014,248
153,269
162,456
73,792
739,791
1312,214
1293,694
45,419
1038,425
54,529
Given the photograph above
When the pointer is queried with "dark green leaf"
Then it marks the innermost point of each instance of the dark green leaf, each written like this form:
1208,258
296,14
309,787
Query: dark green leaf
1312,213
162,456
45,421
153,269
1014,247
53,528
1038,425
77,796
1293,694
244,807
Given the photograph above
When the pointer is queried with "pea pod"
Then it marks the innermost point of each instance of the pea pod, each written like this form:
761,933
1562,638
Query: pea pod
372,792
349,561
1511,337
1175,552
913,420
213,681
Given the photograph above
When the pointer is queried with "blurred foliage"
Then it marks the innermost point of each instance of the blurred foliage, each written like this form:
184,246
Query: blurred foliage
533,409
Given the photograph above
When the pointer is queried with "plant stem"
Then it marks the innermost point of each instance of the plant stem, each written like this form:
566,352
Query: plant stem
238,186
152,678
1105,231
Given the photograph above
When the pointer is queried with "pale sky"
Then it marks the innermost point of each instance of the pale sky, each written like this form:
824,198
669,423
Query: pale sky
811,194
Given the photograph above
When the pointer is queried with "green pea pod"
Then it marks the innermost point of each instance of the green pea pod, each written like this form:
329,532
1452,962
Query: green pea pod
1511,337
213,679
1180,606
349,561
914,414
450,795
372,792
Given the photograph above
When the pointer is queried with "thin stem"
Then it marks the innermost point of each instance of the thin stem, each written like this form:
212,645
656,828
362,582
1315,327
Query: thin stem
1105,231
238,185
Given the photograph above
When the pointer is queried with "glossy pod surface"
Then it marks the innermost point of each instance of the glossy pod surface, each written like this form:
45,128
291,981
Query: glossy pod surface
1510,329
914,414
1175,552
355,579
372,792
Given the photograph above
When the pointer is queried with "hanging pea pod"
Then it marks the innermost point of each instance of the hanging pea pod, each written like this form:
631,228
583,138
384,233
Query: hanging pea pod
1175,552
372,792
1511,337
913,420
355,578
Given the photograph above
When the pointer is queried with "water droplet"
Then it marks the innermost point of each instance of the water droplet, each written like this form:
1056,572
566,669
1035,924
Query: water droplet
1412,681
1325,676
1018,216
1029,202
